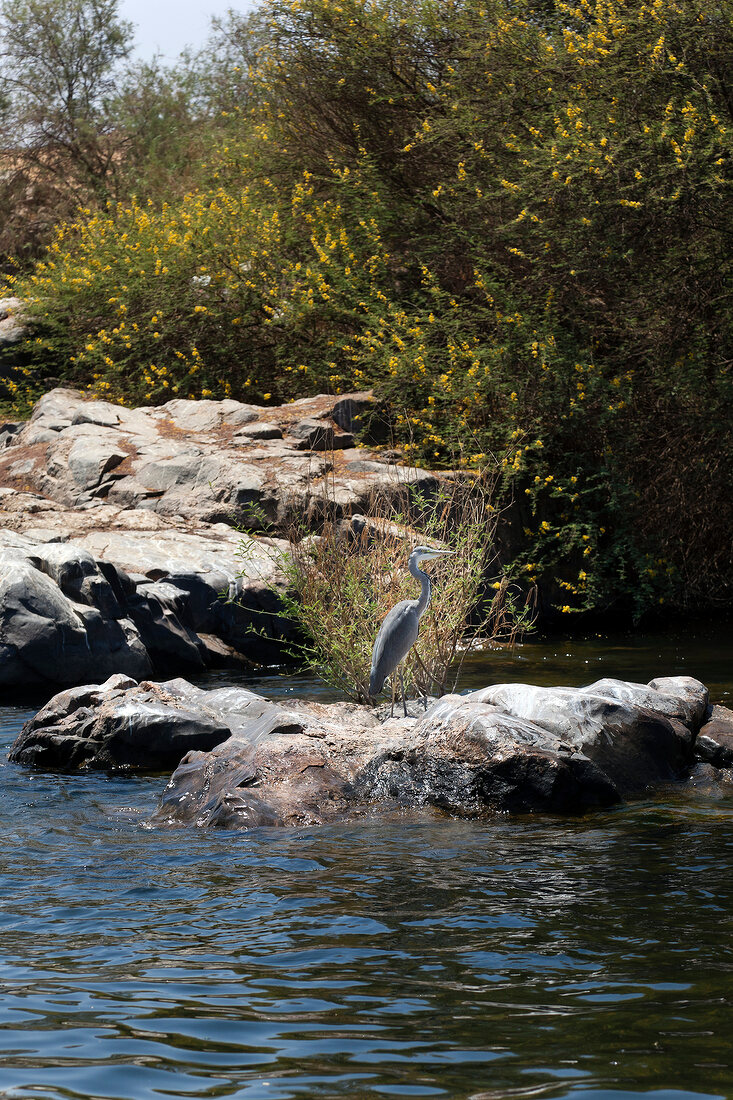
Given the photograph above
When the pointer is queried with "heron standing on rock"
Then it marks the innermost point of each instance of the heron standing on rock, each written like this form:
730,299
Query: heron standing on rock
398,632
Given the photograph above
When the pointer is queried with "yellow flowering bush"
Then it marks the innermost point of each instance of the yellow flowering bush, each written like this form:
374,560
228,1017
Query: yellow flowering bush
509,219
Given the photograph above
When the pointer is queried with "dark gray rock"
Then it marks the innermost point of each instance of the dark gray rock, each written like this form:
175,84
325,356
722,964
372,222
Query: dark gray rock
45,637
102,727
80,578
709,782
245,761
8,429
160,611
69,614
469,756
348,411
714,743
465,756
314,435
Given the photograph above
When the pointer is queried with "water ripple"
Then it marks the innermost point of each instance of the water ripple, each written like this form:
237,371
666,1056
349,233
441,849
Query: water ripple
572,960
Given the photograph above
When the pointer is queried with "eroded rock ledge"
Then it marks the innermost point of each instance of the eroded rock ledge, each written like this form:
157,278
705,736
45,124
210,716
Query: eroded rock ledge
121,528
244,761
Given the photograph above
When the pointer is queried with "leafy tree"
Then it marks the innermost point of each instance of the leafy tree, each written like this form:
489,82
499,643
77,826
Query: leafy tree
163,131
60,61
220,72
511,218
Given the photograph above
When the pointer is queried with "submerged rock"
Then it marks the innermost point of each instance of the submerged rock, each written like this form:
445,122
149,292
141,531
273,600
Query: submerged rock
245,761
709,781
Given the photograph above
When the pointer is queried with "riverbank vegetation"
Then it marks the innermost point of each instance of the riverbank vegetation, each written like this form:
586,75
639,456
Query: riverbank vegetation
510,219
342,584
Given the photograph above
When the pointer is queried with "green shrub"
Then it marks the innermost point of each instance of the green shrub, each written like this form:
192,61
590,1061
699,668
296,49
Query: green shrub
513,228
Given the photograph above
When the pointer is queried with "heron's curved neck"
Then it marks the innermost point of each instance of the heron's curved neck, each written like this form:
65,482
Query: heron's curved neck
422,603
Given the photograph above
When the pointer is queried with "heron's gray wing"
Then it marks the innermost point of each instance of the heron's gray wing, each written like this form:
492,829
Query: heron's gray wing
396,636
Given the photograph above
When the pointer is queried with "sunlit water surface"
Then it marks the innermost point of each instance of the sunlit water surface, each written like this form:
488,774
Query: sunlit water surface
517,957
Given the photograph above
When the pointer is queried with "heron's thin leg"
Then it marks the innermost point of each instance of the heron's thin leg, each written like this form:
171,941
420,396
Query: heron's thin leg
404,700
394,691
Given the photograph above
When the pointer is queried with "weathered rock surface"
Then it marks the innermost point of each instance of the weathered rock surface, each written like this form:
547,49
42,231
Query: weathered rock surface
121,528
13,326
709,782
107,727
85,593
638,734
250,762
714,743
212,461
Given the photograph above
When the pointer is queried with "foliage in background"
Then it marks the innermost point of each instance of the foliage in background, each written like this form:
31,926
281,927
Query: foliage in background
342,583
512,219
59,66
82,124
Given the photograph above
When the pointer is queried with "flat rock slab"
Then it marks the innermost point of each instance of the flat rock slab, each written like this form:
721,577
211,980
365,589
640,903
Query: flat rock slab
244,761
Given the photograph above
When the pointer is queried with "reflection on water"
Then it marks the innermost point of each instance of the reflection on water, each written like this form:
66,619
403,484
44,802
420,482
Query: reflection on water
519,957
705,653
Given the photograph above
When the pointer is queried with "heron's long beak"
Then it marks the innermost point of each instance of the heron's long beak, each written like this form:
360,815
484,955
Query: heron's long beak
437,553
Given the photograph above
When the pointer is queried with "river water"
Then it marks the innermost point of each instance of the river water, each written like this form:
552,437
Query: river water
415,957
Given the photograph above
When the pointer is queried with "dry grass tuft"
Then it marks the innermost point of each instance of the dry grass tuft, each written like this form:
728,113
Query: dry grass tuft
343,582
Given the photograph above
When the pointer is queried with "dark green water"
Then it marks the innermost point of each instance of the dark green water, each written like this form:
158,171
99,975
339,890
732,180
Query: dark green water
521,957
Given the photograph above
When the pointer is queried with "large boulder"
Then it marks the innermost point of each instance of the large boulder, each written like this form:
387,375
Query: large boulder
252,762
47,636
106,727
637,734
154,575
466,756
129,595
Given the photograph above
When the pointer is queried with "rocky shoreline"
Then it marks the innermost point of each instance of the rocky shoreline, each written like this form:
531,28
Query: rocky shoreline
137,544
146,541
242,761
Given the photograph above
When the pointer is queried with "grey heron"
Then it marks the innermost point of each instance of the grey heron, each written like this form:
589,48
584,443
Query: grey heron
398,632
